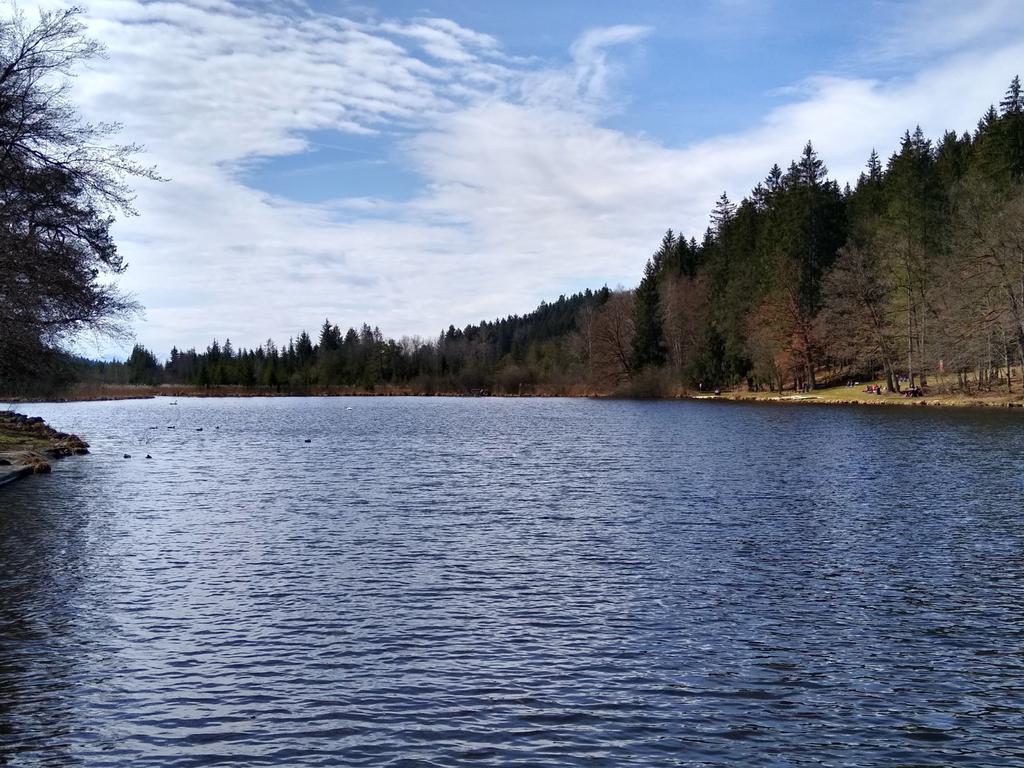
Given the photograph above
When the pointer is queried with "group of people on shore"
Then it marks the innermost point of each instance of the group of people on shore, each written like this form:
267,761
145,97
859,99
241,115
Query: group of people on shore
876,389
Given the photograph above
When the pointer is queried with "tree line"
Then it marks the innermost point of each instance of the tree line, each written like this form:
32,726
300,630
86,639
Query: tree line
507,355
914,274
916,271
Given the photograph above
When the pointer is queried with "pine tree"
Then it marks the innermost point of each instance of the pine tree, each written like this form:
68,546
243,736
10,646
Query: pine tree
330,338
1013,101
648,339
867,201
874,168
665,252
304,349
987,123
951,159
1011,130
724,210
773,181
811,171
143,367
913,225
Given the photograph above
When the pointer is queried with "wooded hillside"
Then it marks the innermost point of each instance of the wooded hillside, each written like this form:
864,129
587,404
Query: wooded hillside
917,270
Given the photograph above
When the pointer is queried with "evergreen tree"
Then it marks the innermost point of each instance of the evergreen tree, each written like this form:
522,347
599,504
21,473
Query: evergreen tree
304,350
867,201
143,367
330,337
1012,130
648,339
810,170
723,211
1013,101
913,226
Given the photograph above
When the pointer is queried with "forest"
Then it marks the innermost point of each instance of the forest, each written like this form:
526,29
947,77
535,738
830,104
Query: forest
913,275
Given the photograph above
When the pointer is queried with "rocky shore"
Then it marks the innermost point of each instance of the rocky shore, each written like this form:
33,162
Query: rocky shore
28,446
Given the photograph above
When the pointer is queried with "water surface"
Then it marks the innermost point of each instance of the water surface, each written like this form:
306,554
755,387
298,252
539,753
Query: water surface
446,582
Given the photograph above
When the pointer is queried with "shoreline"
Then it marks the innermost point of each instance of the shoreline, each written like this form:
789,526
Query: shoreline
835,396
940,401
28,445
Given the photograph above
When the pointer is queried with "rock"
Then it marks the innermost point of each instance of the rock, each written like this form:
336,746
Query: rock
31,461
10,474
34,444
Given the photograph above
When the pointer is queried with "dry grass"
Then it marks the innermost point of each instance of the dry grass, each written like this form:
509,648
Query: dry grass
15,441
31,444
857,396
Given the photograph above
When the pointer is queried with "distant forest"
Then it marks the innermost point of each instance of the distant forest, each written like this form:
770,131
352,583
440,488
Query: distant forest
915,273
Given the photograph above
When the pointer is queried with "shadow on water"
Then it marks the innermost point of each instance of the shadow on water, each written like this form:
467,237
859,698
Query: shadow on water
44,555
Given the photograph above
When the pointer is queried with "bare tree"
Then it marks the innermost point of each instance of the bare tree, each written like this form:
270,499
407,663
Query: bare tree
613,331
990,234
684,305
582,340
61,183
859,297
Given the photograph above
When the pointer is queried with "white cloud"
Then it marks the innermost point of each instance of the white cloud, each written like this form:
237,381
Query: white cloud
590,56
939,27
445,40
204,85
585,85
526,192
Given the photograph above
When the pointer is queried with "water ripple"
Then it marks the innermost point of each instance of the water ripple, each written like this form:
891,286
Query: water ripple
441,582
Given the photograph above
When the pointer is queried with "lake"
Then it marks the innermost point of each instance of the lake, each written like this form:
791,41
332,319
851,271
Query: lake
520,582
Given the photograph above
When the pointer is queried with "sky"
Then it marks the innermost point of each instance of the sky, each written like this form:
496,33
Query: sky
415,164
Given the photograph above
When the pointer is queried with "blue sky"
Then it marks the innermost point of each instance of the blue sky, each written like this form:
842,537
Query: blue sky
702,70
414,164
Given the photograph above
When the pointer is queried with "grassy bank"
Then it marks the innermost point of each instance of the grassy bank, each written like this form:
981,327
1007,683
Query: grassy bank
857,395
28,445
